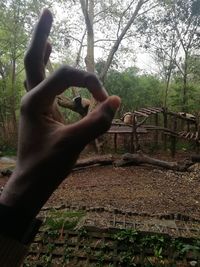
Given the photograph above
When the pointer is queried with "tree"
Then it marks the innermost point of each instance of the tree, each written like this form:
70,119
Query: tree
16,20
136,91
12,41
172,34
120,21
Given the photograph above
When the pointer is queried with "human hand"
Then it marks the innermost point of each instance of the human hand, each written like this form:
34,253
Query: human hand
48,149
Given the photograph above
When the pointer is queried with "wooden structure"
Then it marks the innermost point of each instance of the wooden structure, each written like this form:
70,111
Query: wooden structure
170,125
120,128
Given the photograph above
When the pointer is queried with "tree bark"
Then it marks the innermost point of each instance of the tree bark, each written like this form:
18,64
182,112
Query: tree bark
88,12
185,76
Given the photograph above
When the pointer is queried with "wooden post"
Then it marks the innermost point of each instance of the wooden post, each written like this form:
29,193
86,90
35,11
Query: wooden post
198,132
132,148
165,124
115,142
173,138
156,131
134,137
188,126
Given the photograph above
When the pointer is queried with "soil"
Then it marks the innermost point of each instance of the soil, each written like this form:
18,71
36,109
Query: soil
140,189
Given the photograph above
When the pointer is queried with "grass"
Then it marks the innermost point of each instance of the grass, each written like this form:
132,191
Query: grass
67,220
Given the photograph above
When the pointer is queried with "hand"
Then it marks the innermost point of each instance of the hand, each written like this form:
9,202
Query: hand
48,149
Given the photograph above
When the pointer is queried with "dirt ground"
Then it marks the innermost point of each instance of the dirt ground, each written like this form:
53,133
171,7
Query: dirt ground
140,189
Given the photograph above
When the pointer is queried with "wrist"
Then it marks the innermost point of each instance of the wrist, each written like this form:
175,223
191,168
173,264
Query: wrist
17,218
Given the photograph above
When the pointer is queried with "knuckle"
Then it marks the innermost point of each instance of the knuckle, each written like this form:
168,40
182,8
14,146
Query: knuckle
63,70
91,78
92,81
28,58
25,106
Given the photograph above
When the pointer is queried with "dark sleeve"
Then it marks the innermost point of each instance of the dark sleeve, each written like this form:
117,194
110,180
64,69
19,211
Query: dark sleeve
17,231
12,252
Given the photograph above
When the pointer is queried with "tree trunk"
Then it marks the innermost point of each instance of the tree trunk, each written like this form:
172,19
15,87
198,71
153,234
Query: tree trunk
185,76
168,83
185,108
88,12
13,101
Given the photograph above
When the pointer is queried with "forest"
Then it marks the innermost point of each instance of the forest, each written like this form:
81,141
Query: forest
145,51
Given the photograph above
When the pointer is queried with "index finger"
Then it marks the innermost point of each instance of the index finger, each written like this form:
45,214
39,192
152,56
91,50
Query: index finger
34,58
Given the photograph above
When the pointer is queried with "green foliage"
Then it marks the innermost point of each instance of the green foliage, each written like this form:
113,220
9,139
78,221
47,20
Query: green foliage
57,220
127,247
67,254
83,232
135,90
127,236
182,247
171,34
7,151
130,242
175,99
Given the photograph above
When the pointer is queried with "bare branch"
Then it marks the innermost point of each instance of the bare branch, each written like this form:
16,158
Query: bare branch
105,40
80,49
122,15
119,39
74,38
146,11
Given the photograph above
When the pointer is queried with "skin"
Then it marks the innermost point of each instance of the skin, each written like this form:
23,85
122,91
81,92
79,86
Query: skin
48,149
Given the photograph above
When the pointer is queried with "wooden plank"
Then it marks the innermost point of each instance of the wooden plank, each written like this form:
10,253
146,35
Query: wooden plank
152,111
192,136
156,109
125,129
187,135
141,114
181,117
196,137
184,134
146,111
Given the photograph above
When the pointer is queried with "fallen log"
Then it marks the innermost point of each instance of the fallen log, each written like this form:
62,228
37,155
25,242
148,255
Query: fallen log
139,158
89,162
126,160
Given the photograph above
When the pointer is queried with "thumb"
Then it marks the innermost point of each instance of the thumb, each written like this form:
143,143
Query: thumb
95,123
